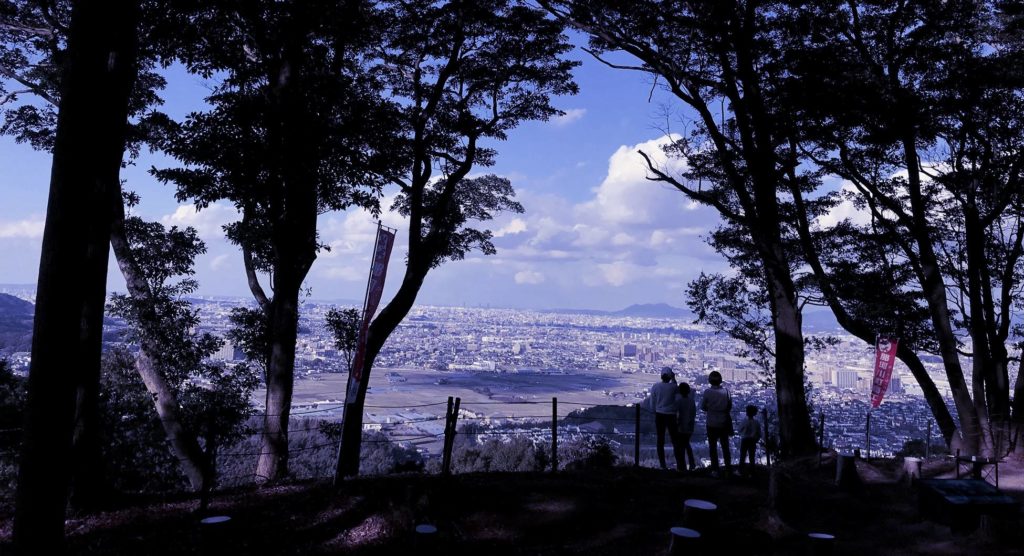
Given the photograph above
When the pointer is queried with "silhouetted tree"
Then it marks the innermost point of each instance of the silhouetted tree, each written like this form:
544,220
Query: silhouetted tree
725,61
462,73
173,359
344,327
923,121
296,128
97,74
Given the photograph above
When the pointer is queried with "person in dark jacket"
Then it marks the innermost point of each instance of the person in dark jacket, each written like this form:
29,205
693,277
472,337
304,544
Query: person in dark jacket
663,403
717,404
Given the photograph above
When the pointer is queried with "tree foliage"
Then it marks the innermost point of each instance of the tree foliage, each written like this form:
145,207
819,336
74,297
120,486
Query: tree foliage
461,74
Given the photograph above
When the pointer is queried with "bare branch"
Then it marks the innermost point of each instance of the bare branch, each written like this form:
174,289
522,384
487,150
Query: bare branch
698,196
616,66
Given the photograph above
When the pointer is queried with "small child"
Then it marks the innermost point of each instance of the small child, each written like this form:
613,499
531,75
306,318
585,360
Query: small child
750,433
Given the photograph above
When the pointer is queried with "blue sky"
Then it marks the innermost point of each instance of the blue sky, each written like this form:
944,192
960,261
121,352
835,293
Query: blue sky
595,233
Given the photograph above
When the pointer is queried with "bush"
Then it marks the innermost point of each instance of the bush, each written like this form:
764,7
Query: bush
13,395
513,454
589,452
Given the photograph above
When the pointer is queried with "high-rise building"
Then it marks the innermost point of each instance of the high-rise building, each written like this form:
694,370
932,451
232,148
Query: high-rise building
845,379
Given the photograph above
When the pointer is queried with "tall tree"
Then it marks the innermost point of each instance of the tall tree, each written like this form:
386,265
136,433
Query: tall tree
296,127
92,123
172,357
923,123
463,73
723,61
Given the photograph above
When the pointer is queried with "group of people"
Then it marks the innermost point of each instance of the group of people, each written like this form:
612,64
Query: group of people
675,412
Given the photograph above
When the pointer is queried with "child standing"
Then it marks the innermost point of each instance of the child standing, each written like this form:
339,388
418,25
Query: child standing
686,414
750,433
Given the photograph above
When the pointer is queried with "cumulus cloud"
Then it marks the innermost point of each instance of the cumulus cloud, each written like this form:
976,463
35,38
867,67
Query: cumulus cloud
630,233
516,226
529,277
208,222
571,115
30,228
627,197
625,239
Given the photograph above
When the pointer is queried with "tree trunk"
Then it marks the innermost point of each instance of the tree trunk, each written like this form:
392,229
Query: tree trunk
934,289
184,444
88,150
861,329
795,434
88,481
380,330
293,209
1018,412
284,322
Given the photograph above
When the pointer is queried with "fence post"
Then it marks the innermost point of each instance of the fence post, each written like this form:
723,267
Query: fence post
554,435
821,435
446,453
636,439
867,434
928,442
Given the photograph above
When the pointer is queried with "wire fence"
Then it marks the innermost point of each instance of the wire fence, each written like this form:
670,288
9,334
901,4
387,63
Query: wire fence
314,438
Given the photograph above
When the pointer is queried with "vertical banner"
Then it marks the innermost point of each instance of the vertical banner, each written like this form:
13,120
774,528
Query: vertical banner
374,290
885,359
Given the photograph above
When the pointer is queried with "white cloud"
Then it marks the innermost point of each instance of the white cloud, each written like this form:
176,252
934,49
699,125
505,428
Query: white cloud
627,197
208,222
618,273
516,226
220,262
30,228
571,115
529,277
345,273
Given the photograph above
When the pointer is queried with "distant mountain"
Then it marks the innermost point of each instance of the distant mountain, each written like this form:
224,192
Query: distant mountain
654,310
820,320
13,306
642,310
15,324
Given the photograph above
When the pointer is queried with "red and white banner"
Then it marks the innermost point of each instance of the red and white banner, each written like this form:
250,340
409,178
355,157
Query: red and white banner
374,291
885,359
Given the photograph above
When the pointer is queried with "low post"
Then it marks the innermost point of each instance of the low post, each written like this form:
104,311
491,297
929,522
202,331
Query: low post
636,439
847,477
912,469
928,442
554,435
820,544
425,539
867,435
684,541
821,435
214,534
446,450
701,515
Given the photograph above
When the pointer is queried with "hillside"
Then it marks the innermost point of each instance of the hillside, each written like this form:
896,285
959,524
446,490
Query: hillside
15,324
613,511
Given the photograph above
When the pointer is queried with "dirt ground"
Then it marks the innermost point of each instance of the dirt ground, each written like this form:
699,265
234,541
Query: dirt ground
609,511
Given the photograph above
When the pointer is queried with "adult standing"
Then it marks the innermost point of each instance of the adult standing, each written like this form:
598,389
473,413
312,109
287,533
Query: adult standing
664,401
717,403
686,415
